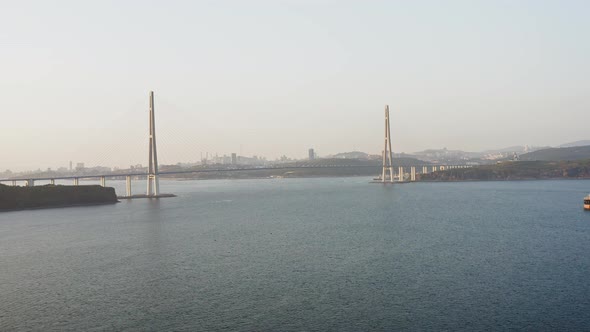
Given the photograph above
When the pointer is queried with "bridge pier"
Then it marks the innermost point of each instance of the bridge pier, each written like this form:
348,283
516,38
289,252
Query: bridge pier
52,182
424,169
413,173
400,173
76,181
128,186
30,183
103,181
13,183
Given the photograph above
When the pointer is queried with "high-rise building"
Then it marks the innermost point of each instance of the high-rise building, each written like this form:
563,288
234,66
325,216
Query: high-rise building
234,159
311,154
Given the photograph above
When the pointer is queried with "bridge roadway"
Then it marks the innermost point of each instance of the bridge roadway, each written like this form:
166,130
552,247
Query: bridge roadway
208,170
113,175
401,174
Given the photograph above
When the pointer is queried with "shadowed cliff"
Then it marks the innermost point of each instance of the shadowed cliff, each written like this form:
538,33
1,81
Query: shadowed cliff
19,198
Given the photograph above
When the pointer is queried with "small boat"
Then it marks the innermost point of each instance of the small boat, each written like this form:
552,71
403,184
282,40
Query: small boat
587,202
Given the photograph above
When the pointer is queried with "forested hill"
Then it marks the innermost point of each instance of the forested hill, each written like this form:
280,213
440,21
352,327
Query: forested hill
556,154
517,170
353,161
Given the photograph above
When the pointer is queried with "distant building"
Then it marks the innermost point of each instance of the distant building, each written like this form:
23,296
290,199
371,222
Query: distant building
311,154
515,157
99,169
226,160
234,159
79,166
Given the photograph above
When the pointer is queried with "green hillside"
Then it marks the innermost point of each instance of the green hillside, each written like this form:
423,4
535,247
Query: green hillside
517,170
355,162
329,167
556,154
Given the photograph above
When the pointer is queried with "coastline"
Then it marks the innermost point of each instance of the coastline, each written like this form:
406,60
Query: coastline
263,177
506,180
52,196
59,206
364,176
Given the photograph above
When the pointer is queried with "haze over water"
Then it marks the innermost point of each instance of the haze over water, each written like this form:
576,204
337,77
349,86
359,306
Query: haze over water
240,76
304,254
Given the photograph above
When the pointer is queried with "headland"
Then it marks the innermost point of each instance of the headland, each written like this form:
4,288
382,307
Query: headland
515,170
51,196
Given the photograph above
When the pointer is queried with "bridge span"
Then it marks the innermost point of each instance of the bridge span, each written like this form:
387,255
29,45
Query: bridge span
152,175
404,173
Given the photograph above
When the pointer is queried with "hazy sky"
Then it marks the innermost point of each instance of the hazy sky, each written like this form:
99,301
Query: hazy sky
277,77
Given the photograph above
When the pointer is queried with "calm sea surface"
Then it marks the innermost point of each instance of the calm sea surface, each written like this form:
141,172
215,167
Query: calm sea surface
304,254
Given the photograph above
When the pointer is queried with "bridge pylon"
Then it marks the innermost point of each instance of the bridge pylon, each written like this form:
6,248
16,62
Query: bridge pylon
153,183
387,153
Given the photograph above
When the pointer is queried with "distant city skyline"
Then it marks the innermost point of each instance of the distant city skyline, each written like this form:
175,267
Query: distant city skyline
273,78
428,155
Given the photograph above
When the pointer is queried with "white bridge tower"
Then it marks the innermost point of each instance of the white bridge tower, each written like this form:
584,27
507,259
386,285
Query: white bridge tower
387,153
153,183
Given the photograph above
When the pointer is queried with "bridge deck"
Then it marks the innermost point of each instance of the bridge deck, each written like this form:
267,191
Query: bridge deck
208,170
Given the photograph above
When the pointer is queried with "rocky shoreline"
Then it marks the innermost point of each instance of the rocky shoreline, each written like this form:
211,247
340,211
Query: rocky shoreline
51,196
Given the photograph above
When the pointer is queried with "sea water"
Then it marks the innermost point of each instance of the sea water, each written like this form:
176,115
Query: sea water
331,254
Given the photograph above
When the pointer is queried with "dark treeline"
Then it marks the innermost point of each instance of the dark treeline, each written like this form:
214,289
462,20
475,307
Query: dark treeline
518,170
19,198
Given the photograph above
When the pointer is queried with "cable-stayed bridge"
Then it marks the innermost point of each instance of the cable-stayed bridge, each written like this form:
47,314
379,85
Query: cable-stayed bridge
152,173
